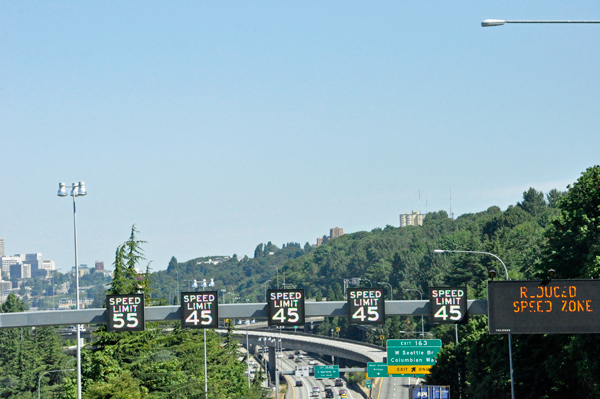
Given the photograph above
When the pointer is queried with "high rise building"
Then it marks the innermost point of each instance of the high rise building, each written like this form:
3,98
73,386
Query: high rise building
20,270
336,232
99,266
1,247
412,219
7,261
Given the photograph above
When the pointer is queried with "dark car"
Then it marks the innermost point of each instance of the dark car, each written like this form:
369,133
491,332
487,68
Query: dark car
339,382
298,360
329,393
298,383
290,356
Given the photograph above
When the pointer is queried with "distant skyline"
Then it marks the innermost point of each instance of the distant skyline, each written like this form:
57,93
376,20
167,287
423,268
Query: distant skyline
217,126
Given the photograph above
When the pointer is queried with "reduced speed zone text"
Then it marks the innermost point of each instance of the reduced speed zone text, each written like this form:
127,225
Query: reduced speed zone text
448,304
286,307
366,306
125,312
200,309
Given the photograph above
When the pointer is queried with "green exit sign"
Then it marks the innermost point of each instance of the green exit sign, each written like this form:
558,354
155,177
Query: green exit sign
327,371
368,382
377,369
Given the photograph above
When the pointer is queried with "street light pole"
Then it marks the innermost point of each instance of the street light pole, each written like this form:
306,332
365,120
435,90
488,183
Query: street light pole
391,290
422,326
46,372
77,190
265,284
510,360
500,22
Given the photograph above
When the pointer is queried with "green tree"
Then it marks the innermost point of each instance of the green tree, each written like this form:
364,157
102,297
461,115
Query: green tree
573,246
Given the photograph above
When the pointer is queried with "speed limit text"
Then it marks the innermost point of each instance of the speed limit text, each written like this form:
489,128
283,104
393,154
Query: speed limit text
193,302
285,299
365,298
124,304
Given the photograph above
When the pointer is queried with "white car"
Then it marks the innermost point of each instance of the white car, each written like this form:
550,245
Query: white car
73,329
312,362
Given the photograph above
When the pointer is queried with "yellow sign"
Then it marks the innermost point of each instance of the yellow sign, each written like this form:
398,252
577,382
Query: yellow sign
409,369
337,329
382,337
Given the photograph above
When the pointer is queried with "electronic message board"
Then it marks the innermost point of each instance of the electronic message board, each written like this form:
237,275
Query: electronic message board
448,304
200,309
544,307
366,306
125,313
286,307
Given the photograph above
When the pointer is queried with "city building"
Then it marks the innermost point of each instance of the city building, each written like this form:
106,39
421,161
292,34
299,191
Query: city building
83,270
20,270
412,219
1,247
5,286
99,266
8,261
335,233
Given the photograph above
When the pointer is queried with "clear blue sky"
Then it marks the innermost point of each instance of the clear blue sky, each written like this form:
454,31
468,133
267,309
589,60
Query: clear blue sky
215,126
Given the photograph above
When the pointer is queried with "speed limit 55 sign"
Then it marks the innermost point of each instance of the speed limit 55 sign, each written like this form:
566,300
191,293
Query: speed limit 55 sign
366,306
448,304
286,307
125,313
200,309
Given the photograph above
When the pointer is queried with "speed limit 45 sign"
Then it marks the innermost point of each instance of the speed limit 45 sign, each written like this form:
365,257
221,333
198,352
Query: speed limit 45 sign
366,306
286,307
448,304
200,309
125,312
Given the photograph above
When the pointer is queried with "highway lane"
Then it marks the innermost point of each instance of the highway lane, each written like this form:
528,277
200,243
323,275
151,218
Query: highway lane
392,388
308,383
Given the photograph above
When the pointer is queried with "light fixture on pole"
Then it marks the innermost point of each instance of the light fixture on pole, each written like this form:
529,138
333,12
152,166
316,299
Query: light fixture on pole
391,290
512,380
46,372
265,284
77,190
422,325
500,22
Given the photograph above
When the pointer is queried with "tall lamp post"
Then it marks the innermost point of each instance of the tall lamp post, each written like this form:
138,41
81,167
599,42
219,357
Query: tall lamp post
422,325
500,22
77,190
46,372
391,291
265,284
195,287
512,380
277,267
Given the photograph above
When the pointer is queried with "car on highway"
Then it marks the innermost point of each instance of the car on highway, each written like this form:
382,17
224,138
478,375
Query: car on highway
316,391
339,382
312,362
328,386
298,383
73,329
290,356
298,360
329,393
343,393
297,352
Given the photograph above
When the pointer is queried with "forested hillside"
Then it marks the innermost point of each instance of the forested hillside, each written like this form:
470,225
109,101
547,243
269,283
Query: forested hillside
558,230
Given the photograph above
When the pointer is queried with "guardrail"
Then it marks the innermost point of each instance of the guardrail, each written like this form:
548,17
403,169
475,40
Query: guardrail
230,311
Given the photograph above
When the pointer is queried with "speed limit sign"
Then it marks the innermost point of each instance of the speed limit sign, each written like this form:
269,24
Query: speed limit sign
286,307
448,304
125,313
200,309
366,306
